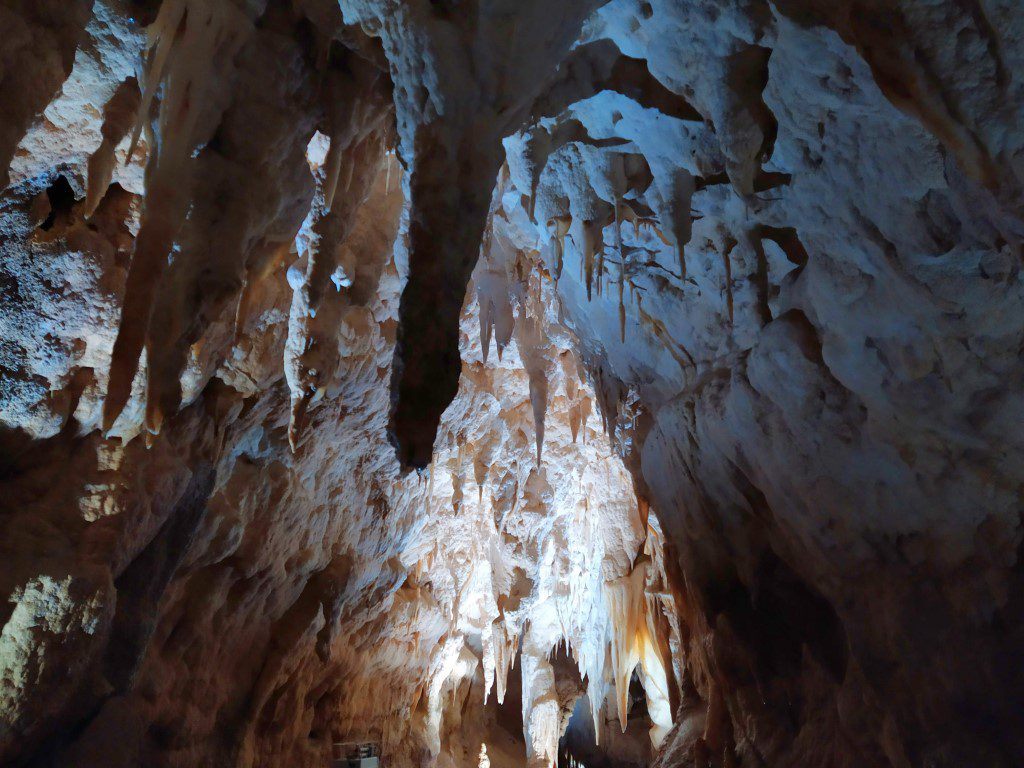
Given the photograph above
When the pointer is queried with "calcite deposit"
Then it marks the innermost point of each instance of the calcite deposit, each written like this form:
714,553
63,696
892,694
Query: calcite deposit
497,383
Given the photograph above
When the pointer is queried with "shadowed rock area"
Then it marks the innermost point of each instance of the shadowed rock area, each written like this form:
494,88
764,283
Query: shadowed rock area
499,383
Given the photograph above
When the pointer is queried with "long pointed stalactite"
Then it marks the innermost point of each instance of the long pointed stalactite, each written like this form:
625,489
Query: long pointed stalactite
451,132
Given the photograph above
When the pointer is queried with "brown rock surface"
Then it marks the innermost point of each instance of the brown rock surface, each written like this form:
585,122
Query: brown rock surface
739,484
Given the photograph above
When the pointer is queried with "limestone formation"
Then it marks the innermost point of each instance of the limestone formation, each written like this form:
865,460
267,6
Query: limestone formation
602,383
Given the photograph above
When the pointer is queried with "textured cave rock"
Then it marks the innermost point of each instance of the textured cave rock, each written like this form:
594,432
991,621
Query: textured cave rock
512,383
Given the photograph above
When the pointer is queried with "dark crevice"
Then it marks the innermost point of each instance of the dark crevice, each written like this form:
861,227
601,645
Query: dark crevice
747,78
601,66
62,200
730,244
633,79
787,240
764,181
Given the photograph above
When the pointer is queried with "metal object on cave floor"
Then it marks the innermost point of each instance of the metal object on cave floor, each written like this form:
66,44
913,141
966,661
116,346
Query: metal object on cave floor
355,755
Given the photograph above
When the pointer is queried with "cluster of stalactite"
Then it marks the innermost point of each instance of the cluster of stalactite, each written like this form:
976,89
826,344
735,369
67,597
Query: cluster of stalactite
772,246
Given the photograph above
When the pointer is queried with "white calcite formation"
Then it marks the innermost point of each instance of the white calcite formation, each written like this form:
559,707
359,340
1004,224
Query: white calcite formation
504,382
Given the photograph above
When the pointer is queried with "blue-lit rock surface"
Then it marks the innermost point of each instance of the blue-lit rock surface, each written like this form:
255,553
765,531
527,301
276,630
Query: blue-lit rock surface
509,383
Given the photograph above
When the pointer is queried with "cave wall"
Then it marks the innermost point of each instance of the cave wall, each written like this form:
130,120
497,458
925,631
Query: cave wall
770,247
830,390
256,578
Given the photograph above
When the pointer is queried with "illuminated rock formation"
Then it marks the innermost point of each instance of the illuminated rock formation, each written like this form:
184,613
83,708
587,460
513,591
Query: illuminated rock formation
503,383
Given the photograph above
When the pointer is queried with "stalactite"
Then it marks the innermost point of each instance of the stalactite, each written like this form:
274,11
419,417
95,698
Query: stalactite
249,207
561,225
494,293
593,243
488,659
457,159
227,610
192,45
584,408
656,685
626,611
628,212
311,355
532,345
684,186
480,468
572,395
120,115
622,302
540,705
